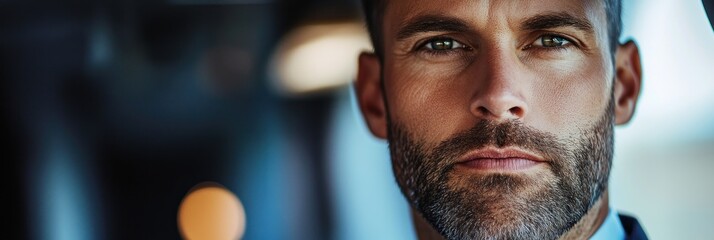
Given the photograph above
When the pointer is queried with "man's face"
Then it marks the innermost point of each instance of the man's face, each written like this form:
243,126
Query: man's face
499,113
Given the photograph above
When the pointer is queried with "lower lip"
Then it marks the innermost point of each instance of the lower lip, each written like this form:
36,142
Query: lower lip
500,164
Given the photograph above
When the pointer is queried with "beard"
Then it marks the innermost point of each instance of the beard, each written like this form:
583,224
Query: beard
501,205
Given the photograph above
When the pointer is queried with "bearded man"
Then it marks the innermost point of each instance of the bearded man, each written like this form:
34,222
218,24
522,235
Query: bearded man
499,114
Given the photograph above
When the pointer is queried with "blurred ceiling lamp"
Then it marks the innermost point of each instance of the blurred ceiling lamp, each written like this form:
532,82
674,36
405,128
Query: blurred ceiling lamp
211,212
318,57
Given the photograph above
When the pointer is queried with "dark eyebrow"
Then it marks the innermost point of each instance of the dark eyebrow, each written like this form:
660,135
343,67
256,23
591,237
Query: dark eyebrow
555,20
431,23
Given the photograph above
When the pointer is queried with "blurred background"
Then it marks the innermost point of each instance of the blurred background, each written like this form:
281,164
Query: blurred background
114,110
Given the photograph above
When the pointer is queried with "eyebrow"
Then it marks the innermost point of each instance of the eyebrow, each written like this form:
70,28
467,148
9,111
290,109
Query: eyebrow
431,23
555,20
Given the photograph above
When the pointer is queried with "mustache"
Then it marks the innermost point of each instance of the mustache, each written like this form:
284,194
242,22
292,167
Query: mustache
510,133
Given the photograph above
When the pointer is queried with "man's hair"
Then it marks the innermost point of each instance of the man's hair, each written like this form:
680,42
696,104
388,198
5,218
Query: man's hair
374,13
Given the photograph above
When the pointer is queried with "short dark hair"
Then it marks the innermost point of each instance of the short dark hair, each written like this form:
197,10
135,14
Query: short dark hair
374,12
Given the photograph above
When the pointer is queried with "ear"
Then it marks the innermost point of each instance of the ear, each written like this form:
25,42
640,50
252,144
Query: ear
628,79
369,94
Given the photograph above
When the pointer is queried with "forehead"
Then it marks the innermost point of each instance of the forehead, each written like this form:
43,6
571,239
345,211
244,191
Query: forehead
489,13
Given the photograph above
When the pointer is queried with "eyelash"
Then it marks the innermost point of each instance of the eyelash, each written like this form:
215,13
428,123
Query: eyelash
570,43
422,47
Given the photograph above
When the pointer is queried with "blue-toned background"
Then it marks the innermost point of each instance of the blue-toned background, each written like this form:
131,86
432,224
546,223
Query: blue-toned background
115,109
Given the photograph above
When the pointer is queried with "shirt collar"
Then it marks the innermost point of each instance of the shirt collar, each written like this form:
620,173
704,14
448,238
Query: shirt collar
611,228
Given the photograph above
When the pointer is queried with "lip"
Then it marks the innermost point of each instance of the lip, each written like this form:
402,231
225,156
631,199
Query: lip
500,159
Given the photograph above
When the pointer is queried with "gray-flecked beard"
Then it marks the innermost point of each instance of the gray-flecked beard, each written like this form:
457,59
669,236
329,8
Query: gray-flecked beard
504,206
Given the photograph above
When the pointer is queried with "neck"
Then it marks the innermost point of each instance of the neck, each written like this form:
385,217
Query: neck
591,222
583,229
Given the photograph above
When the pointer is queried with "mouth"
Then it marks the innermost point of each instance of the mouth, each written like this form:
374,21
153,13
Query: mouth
491,159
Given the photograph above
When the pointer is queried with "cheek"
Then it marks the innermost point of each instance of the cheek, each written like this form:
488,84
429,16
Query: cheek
425,102
571,96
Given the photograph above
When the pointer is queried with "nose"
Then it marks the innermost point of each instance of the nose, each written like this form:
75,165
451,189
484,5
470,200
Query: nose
501,86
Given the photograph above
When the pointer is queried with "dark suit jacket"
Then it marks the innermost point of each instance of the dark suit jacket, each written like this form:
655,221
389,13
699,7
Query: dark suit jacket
633,230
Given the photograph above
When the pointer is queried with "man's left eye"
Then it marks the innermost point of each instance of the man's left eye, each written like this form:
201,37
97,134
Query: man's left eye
551,41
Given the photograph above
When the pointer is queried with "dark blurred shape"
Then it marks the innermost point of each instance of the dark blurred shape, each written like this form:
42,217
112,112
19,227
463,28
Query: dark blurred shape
709,9
224,66
130,103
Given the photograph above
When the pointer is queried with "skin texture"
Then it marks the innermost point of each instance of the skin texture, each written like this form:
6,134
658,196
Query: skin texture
501,74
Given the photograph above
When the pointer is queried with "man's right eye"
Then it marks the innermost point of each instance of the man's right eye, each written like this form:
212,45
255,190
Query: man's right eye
440,44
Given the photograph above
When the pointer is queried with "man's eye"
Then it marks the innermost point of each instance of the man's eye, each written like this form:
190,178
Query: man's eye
443,44
551,41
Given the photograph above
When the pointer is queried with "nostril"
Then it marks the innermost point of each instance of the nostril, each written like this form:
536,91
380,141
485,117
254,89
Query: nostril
483,110
516,111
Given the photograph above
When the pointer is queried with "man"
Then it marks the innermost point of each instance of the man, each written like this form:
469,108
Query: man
499,114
